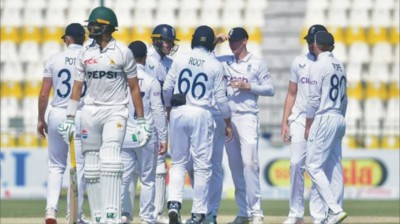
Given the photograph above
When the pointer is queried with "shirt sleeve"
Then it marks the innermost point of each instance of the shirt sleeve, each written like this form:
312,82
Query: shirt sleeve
47,73
315,91
220,93
80,67
130,65
293,71
157,110
265,86
169,84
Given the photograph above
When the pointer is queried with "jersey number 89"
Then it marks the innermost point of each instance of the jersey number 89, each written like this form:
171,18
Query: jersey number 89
337,87
196,86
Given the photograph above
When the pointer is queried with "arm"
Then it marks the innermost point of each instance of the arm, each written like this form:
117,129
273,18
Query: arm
168,87
314,96
158,112
42,106
265,87
136,98
287,109
222,102
73,103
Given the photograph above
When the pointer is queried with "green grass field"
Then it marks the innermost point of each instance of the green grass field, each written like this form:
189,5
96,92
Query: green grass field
365,211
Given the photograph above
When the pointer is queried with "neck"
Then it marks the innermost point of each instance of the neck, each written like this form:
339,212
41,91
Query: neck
103,40
240,55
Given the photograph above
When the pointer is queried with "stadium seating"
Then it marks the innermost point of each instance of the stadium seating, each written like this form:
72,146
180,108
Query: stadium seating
366,35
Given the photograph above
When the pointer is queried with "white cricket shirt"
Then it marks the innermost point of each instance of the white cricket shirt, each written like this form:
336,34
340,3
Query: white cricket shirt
252,70
61,69
156,66
106,72
300,74
153,108
329,94
199,75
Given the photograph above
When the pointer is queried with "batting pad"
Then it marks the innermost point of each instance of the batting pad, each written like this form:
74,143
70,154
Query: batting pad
159,198
92,177
111,168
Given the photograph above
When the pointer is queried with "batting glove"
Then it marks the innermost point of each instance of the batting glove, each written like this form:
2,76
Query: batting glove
142,132
67,128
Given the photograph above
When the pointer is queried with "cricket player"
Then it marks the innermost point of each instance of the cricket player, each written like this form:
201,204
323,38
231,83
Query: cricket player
59,74
108,68
325,124
248,77
292,131
134,155
195,79
158,63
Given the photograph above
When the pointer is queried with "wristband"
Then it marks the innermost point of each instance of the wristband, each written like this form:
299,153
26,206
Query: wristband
72,107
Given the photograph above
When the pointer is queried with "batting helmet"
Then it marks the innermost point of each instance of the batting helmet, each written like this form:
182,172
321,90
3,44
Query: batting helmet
164,31
204,36
104,16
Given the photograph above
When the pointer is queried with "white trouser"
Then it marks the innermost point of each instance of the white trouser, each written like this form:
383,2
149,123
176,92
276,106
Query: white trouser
217,178
103,128
216,181
242,152
140,161
323,149
191,134
298,149
58,159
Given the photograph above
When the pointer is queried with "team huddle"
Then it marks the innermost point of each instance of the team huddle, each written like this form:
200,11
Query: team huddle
124,106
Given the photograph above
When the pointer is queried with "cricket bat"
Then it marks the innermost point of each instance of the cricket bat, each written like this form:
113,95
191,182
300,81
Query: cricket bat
73,185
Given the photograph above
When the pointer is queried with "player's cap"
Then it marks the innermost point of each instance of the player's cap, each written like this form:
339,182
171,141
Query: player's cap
238,33
324,38
138,49
75,30
312,30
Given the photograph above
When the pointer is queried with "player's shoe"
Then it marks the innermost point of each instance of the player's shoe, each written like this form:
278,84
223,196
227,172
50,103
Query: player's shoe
335,218
50,216
126,218
173,212
162,219
294,220
258,220
196,219
241,220
210,219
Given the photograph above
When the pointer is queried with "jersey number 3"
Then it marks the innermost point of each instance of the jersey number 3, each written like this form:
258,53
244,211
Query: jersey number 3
196,86
65,81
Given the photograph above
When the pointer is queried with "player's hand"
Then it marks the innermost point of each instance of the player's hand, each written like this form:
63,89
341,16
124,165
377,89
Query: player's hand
228,133
42,129
162,148
306,133
67,128
239,84
220,38
285,133
142,133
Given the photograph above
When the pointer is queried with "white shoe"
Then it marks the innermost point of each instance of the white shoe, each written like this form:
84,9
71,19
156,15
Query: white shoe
241,220
126,218
294,220
335,218
258,220
50,216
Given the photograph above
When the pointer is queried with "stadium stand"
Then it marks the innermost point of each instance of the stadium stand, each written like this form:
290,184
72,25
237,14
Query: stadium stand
366,34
